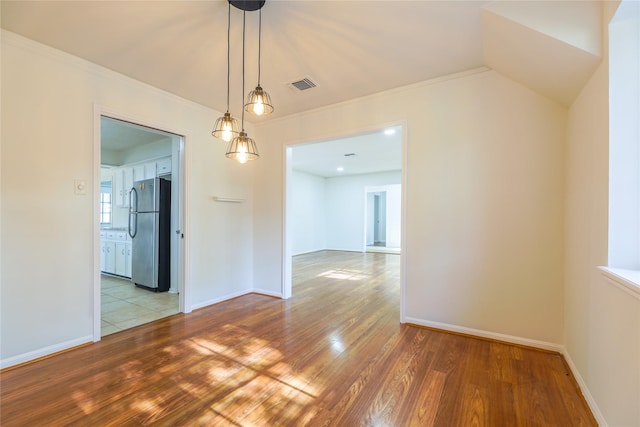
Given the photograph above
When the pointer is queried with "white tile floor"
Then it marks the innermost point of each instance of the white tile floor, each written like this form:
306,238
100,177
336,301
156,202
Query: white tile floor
124,305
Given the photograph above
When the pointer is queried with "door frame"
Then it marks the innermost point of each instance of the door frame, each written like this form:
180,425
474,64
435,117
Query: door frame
287,273
183,162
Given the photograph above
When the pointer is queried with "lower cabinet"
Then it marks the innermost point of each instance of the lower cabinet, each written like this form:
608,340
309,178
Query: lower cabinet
115,256
109,248
121,251
127,262
103,255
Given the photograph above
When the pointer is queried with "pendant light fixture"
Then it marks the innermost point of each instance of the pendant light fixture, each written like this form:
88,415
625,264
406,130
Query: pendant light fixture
259,101
242,148
226,127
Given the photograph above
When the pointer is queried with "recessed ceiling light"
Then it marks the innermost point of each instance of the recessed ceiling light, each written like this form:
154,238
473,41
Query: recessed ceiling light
389,132
340,169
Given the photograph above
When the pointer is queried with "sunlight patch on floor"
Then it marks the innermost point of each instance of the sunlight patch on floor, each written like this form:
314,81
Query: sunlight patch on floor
344,275
262,386
147,406
84,403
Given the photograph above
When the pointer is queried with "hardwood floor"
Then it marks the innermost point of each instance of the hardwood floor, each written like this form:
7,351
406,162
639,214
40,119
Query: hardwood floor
334,354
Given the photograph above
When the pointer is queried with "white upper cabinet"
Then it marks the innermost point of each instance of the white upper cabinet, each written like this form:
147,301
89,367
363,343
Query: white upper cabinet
144,171
139,172
124,177
150,170
163,166
122,183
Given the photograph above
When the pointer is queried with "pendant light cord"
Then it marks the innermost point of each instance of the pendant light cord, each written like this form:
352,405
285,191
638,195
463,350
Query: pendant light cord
259,44
244,21
228,53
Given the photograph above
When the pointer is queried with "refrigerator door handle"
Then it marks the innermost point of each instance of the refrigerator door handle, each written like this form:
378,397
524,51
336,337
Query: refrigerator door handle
133,213
133,224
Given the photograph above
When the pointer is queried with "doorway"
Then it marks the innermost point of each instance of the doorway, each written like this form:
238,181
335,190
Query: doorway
133,155
377,227
379,219
327,184
383,214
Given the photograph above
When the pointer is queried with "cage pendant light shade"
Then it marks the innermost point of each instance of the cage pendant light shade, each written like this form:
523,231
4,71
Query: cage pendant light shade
242,149
226,128
259,102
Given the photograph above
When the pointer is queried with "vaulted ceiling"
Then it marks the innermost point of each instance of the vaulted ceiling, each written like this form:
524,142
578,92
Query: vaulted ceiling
349,48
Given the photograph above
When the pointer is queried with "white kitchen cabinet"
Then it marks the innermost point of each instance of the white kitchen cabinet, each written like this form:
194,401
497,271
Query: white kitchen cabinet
121,258
163,166
139,172
109,256
118,186
144,171
150,170
127,259
128,183
103,253
122,183
115,257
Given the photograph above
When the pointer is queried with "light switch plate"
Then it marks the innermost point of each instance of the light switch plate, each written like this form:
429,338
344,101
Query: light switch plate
80,187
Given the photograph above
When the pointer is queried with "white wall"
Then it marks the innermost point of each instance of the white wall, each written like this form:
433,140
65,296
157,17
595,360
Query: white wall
394,216
484,197
48,233
602,321
329,213
346,208
308,222
370,232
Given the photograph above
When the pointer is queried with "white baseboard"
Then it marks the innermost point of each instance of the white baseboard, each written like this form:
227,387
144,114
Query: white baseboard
267,293
585,391
486,334
45,351
220,299
308,252
235,295
360,250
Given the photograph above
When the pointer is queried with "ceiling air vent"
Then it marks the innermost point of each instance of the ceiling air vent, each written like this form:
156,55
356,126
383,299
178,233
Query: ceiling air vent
303,84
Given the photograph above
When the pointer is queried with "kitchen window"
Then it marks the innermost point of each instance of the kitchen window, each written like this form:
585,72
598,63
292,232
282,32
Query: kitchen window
105,203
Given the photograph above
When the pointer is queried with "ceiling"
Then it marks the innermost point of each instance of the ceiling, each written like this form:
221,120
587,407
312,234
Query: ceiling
118,135
379,151
349,48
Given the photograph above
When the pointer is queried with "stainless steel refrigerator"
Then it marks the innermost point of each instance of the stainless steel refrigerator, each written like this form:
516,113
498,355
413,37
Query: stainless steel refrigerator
150,231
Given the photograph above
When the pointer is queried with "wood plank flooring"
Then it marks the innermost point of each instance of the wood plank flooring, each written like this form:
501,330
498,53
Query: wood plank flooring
334,354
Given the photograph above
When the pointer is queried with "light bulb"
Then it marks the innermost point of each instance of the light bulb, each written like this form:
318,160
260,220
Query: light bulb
227,134
258,107
225,127
242,153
